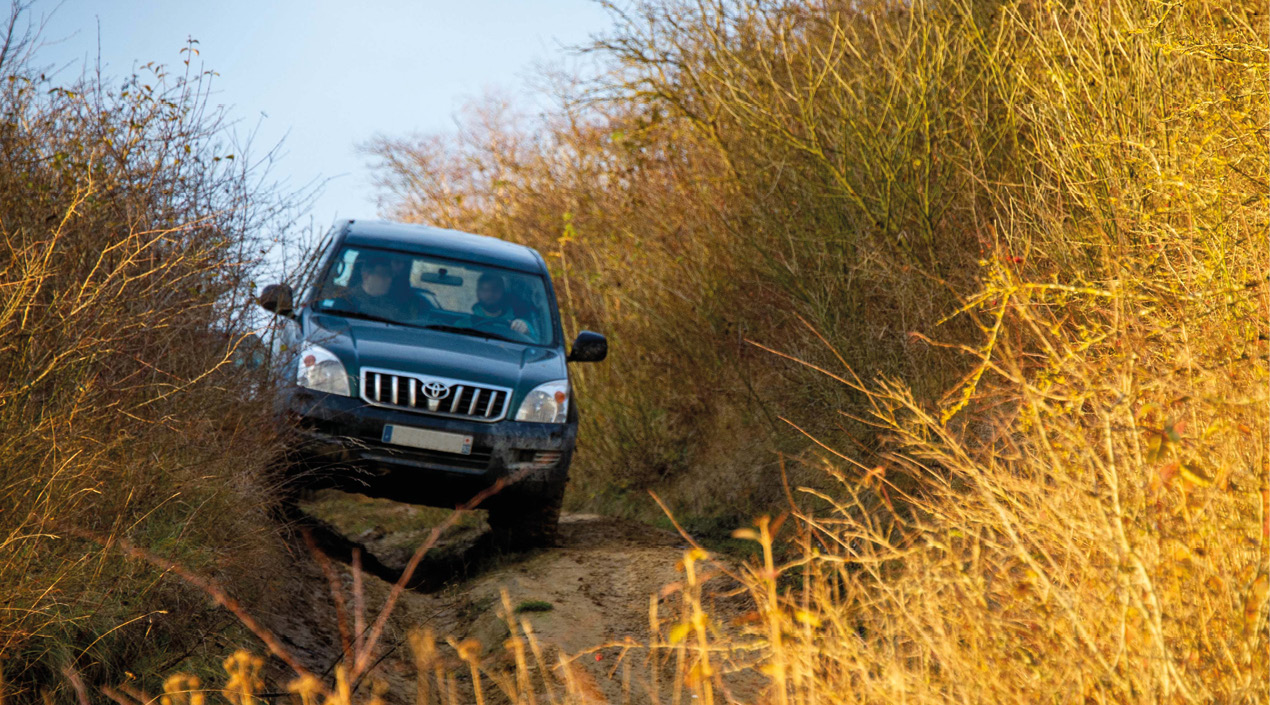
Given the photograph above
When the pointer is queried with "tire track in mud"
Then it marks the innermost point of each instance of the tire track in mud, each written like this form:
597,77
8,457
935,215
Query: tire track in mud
597,583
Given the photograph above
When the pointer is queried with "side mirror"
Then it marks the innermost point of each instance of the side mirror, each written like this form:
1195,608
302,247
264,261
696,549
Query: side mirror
589,347
276,298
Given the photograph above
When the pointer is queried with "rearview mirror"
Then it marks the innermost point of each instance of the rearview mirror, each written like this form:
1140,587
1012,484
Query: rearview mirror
441,276
276,298
589,347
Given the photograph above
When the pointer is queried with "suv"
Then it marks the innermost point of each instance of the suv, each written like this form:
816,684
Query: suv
429,365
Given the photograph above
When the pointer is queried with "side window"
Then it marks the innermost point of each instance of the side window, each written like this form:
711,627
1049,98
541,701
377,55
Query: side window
340,274
343,270
308,278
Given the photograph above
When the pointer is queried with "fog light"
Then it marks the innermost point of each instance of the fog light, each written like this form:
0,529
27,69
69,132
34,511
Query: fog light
544,458
539,459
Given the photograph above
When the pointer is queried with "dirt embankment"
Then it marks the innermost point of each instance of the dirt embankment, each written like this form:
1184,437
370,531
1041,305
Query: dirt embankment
592,589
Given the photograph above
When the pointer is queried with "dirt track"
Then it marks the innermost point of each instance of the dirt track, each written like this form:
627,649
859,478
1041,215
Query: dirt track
592,589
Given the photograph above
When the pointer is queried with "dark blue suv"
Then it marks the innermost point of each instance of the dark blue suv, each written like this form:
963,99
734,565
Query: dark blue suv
429,365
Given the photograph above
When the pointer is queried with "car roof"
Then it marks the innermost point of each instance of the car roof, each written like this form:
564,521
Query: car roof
454,244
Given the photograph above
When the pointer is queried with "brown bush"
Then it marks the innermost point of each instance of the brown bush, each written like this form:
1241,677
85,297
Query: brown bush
1033,237
1029,244
128,233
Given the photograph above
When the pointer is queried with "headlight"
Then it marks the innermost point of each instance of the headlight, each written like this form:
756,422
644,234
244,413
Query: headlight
548,403
321,371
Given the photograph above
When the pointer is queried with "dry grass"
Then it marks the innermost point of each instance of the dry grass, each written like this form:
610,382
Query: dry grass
128,233
1028,241
745,165
1070,202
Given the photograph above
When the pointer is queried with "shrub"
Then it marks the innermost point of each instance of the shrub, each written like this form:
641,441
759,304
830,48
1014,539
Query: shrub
128,234
1029,239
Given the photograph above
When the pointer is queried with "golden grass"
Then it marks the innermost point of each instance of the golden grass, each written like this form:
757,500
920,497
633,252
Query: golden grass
1081,515
747,164
127,239
1029,243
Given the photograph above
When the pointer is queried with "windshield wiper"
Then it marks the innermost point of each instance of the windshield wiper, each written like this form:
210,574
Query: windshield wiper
469,331
362,316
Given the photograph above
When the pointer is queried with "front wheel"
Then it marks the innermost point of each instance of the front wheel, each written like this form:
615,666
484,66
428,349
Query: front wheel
522,521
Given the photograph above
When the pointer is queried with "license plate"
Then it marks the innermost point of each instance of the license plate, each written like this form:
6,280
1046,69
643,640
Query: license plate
428,440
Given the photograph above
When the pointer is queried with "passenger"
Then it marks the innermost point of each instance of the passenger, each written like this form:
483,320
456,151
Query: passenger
381,290
494,304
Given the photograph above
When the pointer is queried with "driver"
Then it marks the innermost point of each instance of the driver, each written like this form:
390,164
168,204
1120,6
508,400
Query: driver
493,304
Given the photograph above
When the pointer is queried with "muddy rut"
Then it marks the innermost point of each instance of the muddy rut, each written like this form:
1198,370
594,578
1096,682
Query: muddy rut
592,589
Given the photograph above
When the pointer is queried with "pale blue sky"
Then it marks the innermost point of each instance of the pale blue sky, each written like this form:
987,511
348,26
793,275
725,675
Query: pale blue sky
329,75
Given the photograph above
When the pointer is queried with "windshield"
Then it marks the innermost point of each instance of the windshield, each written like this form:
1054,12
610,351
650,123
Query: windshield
430,292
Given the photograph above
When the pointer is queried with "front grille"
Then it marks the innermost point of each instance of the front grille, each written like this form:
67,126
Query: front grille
434,395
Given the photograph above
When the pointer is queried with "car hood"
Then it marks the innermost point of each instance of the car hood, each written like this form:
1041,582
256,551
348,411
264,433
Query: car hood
499,363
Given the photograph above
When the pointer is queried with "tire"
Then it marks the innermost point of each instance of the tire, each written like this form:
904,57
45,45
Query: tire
525,521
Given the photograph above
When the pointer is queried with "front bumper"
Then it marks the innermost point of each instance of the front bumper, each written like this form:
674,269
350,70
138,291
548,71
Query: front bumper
339,444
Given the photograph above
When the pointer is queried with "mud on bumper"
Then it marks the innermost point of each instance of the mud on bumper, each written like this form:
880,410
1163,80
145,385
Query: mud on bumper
338,444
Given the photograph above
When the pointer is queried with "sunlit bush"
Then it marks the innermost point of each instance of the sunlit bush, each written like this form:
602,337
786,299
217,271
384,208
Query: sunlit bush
129,228
1027,245
1067,501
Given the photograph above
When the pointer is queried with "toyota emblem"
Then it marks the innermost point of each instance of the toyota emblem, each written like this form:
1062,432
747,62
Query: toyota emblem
435,390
